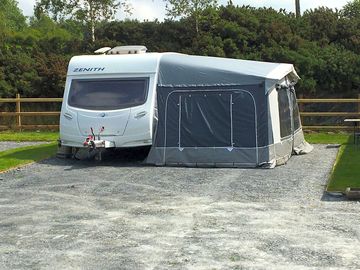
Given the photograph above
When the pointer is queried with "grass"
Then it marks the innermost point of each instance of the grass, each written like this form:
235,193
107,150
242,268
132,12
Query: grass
324,138
25,136
20,156
346,172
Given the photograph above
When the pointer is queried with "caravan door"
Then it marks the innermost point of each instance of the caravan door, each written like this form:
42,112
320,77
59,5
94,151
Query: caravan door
106,103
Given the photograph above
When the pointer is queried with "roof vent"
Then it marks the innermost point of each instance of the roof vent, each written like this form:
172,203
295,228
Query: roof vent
128,50
102,50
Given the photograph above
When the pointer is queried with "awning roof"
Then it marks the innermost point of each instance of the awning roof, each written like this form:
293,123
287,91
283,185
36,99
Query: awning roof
184,70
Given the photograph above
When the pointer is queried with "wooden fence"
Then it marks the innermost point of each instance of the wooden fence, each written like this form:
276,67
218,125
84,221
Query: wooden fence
18,114
303,114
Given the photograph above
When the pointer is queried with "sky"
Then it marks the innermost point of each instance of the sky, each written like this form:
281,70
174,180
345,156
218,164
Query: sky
152,9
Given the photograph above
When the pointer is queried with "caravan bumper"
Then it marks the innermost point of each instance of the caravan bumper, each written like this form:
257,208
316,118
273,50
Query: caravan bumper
99,144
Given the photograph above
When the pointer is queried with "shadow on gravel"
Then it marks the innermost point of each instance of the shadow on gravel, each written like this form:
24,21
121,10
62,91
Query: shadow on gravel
132,157
333,197
125,157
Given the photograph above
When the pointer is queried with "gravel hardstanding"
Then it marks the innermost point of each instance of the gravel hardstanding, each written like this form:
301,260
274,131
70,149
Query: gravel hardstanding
66,214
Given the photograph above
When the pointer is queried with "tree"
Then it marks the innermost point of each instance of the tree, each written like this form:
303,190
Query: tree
184,8
89,11
322,25
11,18
352,10
46,28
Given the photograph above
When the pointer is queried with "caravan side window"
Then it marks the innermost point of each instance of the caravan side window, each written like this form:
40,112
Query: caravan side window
108,94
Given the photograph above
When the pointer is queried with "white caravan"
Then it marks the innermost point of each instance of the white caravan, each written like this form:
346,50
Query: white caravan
109,99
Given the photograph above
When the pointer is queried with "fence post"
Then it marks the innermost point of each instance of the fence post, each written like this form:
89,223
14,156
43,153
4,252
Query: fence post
359,106
18,110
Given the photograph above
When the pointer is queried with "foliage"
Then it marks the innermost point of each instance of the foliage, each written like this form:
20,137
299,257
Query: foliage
11,18
189,8
352,10
45,28
90,12
323,44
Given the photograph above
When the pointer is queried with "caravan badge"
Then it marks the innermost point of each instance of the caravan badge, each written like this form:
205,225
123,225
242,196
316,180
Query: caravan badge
89,69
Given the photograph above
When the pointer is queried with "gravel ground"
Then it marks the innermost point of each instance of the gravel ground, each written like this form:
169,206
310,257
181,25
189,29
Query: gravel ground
63,214
11,145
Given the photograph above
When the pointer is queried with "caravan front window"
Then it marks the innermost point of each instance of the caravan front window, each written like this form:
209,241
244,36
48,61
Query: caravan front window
108,94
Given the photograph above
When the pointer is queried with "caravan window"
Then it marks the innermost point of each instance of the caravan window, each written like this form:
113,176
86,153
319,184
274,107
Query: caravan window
108,94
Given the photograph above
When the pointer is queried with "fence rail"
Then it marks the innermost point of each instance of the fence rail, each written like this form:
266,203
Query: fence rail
32,100
328,100
19,114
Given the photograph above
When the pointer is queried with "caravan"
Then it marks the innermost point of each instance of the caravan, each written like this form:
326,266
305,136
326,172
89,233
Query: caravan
110,99
192,110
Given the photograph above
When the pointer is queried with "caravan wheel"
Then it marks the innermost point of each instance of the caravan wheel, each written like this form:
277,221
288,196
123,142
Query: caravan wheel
64,152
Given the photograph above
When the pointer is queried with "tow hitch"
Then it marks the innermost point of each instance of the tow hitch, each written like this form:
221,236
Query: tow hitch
93,142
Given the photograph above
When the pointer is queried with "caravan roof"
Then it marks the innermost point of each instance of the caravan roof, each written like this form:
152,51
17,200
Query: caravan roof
114,64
